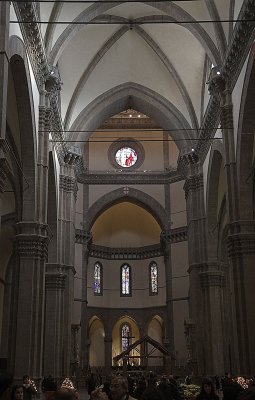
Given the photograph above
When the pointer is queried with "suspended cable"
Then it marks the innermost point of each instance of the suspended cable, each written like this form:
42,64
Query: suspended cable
132,129
133,140
133,22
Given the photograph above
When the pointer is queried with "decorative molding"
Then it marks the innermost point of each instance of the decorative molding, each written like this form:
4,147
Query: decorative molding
241,244
211,279
31,246
68,184
122,253
193,183
83,237
120,177
55,281
175,235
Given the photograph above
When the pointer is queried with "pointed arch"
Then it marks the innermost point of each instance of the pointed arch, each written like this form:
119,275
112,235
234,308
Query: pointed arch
23,89
134,196
133,95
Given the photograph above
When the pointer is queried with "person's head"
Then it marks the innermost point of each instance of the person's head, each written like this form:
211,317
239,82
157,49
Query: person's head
5,385
207,387
26,379
118,387
17,392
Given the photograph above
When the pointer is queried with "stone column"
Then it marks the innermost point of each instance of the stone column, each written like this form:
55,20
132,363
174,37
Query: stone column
84,306
212,281
31,251
66,246
219,86
194,194
54,309
108,354
4,63
75,349
169,325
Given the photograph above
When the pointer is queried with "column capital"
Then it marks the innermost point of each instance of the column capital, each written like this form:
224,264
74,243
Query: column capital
212,279
241,244
75,327
68,184
55,281
193,183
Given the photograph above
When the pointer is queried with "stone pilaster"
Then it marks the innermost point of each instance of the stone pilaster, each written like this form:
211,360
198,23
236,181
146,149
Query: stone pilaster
212,281
66,247
218,85
241,253
108,353
194,194
53,336
31,246
75,349
84,307
169,339
4,63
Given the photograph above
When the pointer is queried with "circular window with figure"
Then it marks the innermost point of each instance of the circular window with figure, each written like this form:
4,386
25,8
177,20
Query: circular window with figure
126,154
126,157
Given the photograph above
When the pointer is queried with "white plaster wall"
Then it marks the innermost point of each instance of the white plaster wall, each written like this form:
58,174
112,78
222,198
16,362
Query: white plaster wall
178,205
97,191
129,53
96,348
155,332
98,151
223,7
126,225
238,6
140,284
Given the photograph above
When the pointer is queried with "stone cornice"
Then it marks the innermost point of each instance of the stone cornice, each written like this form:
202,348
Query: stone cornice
83,237
31,246
175,235
135,177
241,244
122,253
55,281
211,279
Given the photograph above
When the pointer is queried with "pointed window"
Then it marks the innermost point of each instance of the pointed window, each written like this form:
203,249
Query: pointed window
125,280
98,279
153,278
125,336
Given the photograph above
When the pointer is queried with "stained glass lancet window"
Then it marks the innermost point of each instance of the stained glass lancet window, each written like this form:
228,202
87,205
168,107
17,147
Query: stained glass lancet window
98,279
125,280
153,278
125,335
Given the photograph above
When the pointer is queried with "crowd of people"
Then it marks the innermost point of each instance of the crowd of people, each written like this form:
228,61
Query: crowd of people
119,387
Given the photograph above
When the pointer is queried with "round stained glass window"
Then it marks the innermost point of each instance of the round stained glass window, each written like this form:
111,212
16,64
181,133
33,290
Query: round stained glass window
126,157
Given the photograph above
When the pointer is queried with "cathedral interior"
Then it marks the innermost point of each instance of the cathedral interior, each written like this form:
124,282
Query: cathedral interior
127,186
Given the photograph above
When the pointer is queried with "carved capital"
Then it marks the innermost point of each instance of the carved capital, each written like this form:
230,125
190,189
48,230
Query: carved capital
211,279
193,184
55,281
83,237
241,244
216,84
68,184
174,235
73,156
31,246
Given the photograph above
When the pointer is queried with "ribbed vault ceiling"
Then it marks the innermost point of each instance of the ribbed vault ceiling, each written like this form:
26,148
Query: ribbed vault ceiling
136,42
